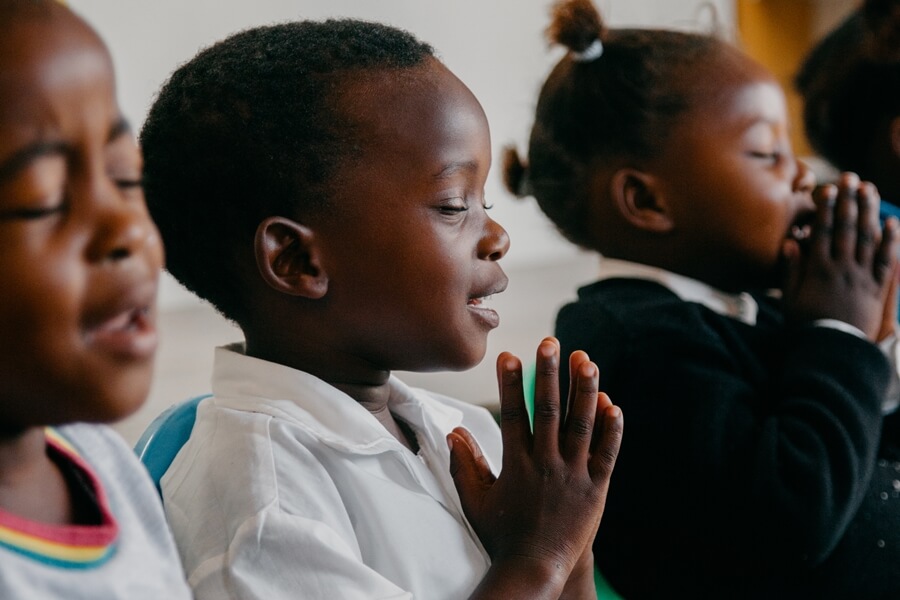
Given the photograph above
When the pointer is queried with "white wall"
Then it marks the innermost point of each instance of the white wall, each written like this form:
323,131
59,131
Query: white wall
495,46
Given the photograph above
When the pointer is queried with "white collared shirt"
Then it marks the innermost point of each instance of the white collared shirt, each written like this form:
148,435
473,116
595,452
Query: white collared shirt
743,307
288,488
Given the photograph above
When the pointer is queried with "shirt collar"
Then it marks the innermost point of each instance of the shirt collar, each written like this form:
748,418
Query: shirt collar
247,383
739,306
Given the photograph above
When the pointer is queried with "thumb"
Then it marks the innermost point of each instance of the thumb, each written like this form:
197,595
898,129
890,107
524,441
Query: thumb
469,468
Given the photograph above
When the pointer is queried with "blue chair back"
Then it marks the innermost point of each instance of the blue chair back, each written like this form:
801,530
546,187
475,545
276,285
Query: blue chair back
165,436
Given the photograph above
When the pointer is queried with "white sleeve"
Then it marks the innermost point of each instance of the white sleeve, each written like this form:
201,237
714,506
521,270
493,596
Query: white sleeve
892,350
276,557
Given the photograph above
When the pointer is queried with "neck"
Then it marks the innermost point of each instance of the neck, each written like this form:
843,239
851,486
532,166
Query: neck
375,399
31,485
357,378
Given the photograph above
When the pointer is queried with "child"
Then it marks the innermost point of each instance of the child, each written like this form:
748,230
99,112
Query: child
79,263
668,154
322,184
850,83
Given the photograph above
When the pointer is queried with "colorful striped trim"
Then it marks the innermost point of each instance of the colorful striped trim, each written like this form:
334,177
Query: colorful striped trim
64,546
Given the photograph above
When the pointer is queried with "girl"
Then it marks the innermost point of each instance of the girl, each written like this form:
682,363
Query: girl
668,154
79,263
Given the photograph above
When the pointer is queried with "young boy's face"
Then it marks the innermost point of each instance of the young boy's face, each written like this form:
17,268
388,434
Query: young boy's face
79,256
736,188
411,252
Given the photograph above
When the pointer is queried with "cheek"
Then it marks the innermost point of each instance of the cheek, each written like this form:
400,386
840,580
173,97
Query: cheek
45,292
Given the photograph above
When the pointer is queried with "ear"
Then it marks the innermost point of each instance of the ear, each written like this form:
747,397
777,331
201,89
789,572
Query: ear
288,258
639,199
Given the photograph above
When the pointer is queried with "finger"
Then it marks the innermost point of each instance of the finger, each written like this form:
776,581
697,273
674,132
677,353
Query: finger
579,426
823,225
607,440
514,426
869,230
845,218
575,360
468,468
884,261
461,435
547,412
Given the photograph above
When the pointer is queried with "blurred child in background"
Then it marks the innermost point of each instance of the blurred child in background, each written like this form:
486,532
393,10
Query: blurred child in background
755,464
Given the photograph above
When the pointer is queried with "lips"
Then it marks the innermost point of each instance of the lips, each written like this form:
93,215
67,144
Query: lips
127,328
480,304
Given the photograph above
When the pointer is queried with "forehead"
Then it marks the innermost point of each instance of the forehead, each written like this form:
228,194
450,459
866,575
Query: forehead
732,93
424,112
55,77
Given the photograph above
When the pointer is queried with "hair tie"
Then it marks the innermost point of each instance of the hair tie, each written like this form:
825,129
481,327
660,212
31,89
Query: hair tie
591,53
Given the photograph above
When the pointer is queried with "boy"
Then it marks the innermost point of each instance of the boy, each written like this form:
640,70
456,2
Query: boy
322,185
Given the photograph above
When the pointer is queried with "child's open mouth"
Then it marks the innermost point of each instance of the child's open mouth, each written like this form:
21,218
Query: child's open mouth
800,232
482,309
482,302
127,334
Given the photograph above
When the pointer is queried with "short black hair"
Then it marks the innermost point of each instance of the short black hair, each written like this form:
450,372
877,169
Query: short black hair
620,105
850,83
248,129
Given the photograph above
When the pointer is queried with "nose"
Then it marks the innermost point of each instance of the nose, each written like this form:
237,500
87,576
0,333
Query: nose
804,180
122,228
494,243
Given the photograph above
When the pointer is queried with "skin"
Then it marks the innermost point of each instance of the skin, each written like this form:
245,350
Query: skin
408,232
562,468
77,248
727,202
393,276
729,179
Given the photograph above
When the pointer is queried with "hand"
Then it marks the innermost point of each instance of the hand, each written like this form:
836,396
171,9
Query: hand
538,518
848,269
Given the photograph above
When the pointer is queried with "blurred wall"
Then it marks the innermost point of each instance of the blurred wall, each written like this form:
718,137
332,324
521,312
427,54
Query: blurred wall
495,46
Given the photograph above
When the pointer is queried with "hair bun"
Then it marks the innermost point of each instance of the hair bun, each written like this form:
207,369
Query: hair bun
575,24
515,173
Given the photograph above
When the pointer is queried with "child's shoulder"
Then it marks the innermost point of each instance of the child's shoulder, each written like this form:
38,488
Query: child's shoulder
98,445
624,300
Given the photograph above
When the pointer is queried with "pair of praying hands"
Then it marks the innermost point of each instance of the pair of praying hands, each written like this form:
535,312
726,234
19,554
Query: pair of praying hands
537,519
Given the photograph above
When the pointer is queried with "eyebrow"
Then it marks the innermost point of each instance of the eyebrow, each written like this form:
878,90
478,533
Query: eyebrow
25,156
455,167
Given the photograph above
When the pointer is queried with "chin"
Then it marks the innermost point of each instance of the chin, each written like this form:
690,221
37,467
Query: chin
458,362
120,398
